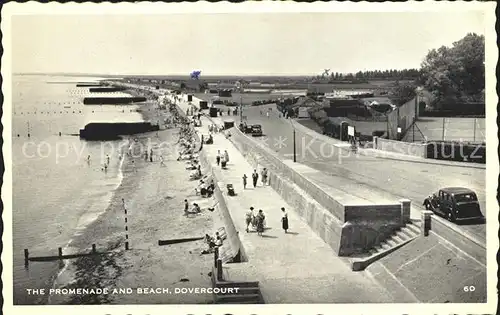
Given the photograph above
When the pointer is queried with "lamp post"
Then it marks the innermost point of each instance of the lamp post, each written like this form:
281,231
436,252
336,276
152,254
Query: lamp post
294,144
241,109
294,147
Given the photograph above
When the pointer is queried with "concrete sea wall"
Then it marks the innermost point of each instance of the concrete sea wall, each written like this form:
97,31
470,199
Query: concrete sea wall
348,229
407,148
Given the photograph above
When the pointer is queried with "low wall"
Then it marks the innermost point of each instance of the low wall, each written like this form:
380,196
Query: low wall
407,148
474,247
348,229
232,235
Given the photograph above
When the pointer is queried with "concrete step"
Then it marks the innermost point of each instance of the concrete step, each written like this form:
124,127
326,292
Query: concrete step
385,245
237,298
413,227
391,242
237,284
399,237
408,233
248,290
244,302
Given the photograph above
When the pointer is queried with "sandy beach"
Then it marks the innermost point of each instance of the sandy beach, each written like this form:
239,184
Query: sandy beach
153,195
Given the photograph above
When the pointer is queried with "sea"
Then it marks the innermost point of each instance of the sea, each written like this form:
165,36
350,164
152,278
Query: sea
60,182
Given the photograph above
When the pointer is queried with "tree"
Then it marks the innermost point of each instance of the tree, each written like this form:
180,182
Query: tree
404,92
456,74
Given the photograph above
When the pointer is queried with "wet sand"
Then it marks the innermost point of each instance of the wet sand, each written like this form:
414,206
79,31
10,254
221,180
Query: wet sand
154,197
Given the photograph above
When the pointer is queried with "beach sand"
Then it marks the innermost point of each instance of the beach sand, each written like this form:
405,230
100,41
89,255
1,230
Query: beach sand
154,198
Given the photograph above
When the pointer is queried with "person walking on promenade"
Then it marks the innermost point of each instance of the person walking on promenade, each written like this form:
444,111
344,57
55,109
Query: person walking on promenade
217,158
226,156
264,176
284,220
151,155
255,178
244,181
229,112
161,161
260,222
223,162
249,217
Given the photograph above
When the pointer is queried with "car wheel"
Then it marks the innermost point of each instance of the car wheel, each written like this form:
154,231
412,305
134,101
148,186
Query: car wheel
450,217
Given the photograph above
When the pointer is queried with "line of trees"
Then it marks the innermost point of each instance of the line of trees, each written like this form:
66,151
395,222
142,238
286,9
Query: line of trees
393,74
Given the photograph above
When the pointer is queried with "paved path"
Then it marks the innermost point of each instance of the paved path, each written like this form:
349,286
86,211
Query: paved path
297,267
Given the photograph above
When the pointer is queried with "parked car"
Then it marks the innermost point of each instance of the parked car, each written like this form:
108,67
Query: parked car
256,130
455,204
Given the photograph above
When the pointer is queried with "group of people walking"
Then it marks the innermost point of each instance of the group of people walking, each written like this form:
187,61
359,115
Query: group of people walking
222,158
255,178
258,221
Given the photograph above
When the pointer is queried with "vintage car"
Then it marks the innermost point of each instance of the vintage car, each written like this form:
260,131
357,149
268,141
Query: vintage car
256,130
455,204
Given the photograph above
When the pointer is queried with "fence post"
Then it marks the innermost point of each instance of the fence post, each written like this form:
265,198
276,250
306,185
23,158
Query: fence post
216,256
475,121
26,257
219,269
126,225
443,128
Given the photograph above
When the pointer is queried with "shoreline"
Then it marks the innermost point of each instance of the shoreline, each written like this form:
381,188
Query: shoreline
153,196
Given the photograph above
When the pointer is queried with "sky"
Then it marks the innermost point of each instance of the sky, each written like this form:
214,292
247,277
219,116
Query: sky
233,44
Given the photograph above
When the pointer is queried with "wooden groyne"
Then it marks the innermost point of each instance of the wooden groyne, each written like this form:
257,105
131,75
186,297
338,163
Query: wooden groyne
112,131
89,84
106,89
179,240
59,256
112,100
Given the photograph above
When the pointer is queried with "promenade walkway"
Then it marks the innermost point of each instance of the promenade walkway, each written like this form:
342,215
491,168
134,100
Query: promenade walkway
297,267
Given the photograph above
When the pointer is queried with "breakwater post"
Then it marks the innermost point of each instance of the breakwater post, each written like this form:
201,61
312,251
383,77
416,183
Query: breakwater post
219,269
126,225
26,257
216,256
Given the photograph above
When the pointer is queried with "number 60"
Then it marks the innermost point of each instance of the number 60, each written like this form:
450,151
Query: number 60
469,288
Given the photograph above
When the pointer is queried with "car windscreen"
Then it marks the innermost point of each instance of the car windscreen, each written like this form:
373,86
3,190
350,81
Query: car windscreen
465,197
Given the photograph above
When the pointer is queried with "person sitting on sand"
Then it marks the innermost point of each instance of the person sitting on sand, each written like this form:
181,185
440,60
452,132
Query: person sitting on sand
210,241
210,139
218,239
196,208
